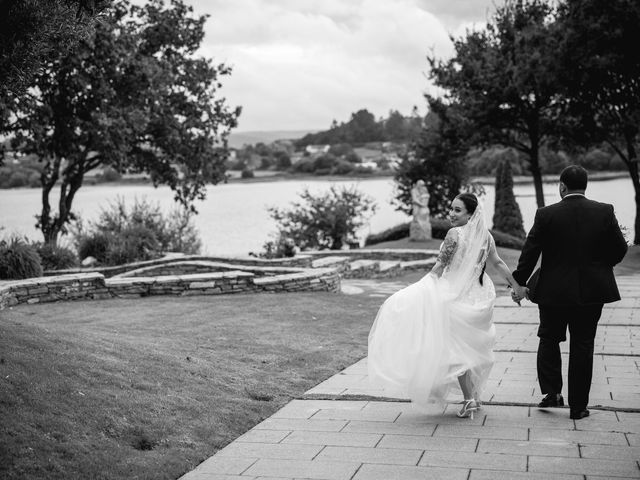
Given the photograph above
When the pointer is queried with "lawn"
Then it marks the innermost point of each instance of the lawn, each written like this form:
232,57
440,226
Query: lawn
148,389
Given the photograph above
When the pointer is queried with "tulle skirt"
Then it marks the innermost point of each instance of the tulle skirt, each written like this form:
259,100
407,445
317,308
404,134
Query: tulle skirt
424,337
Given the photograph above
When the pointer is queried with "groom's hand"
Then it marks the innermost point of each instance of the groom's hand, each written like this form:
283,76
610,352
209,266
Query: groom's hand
518,293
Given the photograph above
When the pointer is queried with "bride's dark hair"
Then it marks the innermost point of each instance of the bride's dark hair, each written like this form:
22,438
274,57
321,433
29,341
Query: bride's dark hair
471,203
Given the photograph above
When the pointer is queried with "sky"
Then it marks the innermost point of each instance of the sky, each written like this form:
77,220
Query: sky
300,64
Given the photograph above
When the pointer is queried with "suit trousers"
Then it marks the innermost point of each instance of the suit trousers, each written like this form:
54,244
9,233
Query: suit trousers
582,322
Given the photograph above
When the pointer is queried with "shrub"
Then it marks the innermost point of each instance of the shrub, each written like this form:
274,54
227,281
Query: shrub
109,174
326,221
394,233
123,235
281,247
56,257
134,243
439,229
342,168
18,179
18,260
95,244
247,173
507,217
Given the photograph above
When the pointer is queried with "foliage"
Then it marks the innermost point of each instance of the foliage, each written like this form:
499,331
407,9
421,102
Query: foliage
438,158
507,217
328,220
33,32
599,76
247,173
281,247
362,127
397,232
18,260
503,80
439,229
56,257
123,235
132,96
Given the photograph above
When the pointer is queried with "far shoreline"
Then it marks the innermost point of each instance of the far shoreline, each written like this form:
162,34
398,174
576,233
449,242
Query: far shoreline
288,177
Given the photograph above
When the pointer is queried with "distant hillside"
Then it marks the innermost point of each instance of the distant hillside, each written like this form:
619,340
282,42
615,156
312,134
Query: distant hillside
238,139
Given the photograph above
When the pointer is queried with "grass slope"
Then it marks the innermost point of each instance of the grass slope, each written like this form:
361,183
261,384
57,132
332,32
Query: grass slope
143,389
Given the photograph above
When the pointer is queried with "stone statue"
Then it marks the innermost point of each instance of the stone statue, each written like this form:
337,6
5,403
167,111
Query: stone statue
420,229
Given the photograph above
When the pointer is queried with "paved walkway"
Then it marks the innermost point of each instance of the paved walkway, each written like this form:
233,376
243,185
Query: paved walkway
342,429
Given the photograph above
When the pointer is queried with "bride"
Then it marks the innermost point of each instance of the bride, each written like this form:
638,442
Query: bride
434,338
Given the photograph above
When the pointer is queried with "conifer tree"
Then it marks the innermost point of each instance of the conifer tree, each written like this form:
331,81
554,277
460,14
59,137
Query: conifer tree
507,217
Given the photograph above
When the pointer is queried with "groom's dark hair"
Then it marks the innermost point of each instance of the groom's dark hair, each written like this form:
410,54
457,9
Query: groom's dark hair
574,177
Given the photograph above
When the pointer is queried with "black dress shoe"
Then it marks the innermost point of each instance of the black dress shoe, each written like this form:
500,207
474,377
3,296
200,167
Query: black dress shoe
578,414
552,400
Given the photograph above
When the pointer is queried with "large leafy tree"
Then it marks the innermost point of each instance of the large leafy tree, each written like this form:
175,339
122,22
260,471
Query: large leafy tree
132,96
600,73
502,79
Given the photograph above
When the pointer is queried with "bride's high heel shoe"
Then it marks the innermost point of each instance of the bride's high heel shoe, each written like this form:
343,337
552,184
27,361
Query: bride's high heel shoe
469,407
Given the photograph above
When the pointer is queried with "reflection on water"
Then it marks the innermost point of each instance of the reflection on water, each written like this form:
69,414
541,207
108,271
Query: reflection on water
234,220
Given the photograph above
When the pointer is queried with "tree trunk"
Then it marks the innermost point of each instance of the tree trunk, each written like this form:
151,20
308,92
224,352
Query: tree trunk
632,165
534,164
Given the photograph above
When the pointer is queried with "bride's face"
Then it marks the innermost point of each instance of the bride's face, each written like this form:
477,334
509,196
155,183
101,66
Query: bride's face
458,214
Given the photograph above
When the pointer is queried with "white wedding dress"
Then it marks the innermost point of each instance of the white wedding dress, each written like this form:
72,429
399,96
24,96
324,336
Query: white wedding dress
431,332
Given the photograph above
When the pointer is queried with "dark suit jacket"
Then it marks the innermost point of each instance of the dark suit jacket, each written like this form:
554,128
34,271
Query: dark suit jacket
580,242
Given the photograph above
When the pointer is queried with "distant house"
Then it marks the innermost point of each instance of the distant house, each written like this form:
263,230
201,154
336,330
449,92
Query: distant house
371,165
317,149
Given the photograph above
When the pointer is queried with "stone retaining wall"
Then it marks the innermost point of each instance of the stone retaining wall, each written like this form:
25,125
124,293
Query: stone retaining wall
400,254
299,261
89,286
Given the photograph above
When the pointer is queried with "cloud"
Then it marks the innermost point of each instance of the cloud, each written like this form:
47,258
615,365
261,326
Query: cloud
299,64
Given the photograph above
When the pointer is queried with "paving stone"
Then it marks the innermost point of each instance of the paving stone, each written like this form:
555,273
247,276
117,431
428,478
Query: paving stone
575,436
223,465
502,475
584,466
517,463
610,452
516,447
475,431
301,424
263,436
346,439
304,469
343,414
194,475
418,442
389,456
398,472
270,450
424,429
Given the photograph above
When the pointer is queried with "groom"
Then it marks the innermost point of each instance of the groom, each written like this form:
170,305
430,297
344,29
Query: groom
580,242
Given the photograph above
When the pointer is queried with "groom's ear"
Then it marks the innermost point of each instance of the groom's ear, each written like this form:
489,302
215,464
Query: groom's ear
563,188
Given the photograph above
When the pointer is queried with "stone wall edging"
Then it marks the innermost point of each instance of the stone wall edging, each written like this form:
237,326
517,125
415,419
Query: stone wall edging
94,286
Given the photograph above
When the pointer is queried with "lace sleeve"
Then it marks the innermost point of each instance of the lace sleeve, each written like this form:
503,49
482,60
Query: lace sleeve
447,249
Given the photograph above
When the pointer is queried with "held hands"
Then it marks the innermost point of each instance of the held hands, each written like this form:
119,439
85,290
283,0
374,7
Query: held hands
518,293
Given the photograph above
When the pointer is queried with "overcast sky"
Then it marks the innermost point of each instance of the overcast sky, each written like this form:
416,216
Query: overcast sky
299,64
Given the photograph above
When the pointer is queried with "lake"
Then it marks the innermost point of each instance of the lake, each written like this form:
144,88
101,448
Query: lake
234,220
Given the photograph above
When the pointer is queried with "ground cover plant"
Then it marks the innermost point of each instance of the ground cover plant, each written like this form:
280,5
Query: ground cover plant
122,389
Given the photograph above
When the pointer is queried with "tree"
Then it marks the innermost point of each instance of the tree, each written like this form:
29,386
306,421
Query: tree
504,82
131,96
438,158
507,216
600,78
31,32
325,221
